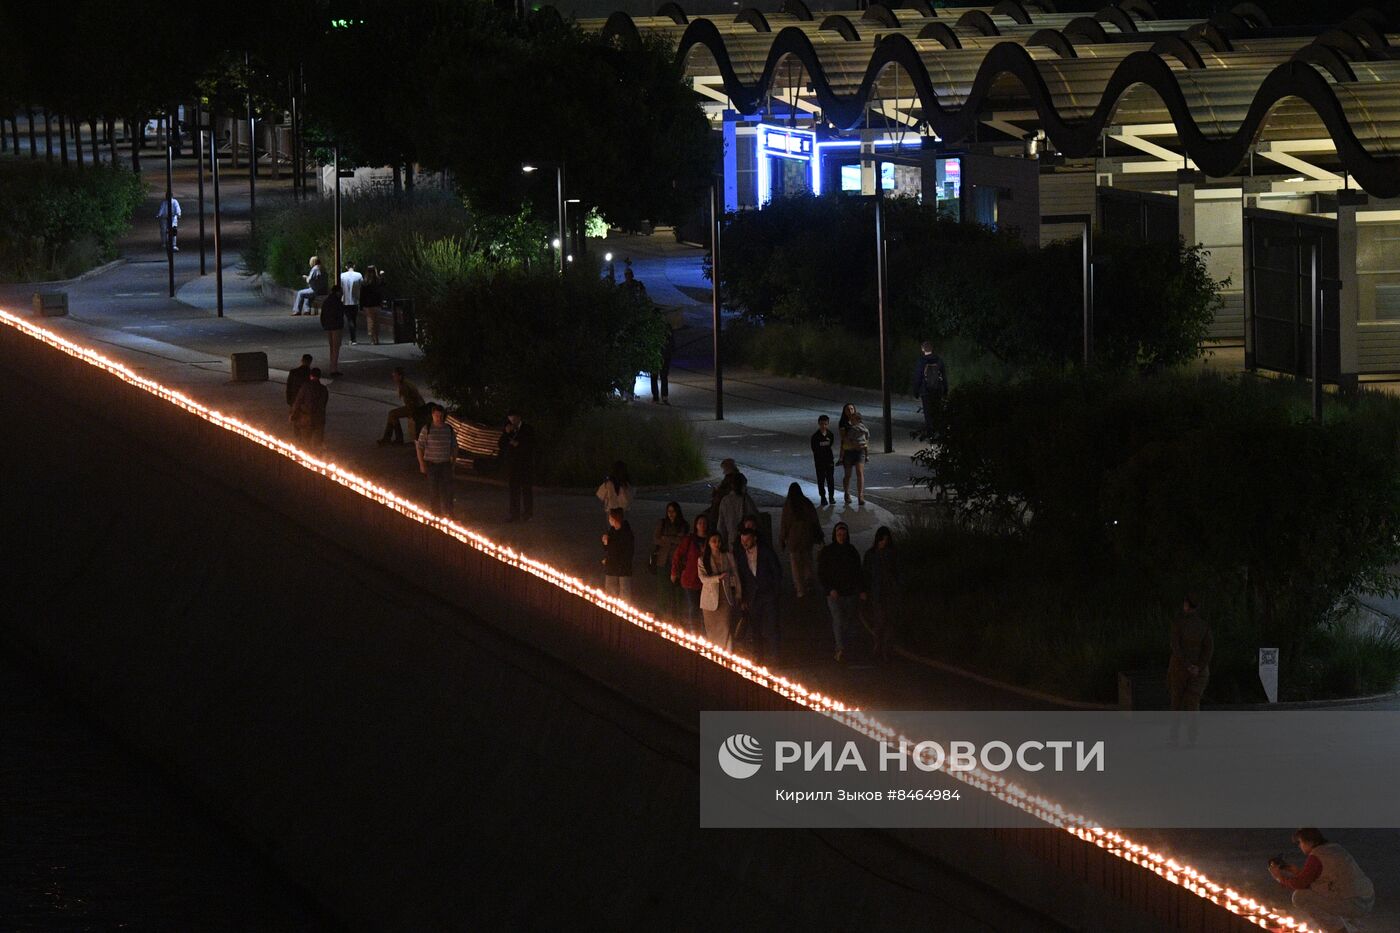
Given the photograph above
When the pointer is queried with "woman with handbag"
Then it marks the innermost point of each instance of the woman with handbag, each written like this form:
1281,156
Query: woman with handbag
719,591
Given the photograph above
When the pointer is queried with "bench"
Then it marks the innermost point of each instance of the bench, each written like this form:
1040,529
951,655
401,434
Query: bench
478,446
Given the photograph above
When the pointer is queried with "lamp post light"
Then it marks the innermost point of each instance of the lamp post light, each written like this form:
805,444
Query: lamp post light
612,268
716,228
531,167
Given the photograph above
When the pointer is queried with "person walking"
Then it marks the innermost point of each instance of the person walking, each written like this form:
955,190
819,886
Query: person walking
930,385
169,232
719,593
671,530
615,492
518,452
333,323
296,378
800,530
410,406
855,450
317,285
351,285
685,571
1188,671
882,585
308,413
760,584
733,507
824,460
668,350
838,568
372,301
1330,888
437,450
620,549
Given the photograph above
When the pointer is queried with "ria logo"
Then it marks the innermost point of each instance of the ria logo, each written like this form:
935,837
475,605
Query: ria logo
740,756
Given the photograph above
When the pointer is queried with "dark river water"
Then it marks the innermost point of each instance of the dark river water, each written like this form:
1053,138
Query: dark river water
94,838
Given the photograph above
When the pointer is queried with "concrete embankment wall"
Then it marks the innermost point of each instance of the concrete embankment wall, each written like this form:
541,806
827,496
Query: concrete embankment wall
421,735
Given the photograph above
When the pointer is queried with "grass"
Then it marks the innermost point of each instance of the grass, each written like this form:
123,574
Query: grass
659,449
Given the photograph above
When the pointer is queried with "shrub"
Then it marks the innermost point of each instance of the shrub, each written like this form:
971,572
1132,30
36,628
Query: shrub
376,228
1108,493
658,448
57,222
836,356
807,260
500,335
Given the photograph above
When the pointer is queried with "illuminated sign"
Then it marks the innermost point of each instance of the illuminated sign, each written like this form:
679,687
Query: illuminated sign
786,143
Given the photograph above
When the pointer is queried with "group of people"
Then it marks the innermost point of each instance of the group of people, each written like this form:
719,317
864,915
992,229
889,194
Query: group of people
341,304
721,577
853,444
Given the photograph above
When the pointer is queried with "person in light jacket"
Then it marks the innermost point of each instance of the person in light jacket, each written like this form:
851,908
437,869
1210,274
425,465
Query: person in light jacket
615,492
1329,887
316,287
733,508
719,591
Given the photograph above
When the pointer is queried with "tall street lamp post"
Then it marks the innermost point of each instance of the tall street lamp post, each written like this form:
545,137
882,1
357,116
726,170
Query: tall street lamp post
562,238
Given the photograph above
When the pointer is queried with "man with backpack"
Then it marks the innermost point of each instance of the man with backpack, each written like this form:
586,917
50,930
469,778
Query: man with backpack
930,384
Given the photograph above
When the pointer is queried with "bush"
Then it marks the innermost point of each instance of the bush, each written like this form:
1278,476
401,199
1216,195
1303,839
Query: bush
836,356
807,260
376,229
499,335
1115,496
57,222
659,449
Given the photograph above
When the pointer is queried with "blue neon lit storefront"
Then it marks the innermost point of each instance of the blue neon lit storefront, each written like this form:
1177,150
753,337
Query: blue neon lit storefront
773,161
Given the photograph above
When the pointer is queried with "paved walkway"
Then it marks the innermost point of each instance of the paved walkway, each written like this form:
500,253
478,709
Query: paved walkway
181,343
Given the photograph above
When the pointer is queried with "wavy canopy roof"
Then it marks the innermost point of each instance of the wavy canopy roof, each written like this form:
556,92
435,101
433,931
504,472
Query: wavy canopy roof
1223,84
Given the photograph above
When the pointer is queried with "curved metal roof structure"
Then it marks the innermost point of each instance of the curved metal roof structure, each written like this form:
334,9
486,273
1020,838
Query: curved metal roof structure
1223,86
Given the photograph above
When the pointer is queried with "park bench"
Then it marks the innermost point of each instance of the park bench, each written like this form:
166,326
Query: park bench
478,446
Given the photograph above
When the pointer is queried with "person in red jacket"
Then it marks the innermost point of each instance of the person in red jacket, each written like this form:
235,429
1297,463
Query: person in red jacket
685,569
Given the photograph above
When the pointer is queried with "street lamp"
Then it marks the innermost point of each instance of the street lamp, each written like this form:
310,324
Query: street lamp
612,269
531,167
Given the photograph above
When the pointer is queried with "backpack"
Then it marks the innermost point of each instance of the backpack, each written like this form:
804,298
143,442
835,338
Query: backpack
935,381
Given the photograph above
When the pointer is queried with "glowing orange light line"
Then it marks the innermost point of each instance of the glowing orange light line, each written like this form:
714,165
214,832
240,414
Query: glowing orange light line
1046,810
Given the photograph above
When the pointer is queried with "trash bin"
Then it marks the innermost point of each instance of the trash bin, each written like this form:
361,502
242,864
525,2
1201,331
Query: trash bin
51,304
1143,690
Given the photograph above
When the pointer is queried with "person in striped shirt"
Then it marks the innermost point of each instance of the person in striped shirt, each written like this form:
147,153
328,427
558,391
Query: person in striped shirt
437,449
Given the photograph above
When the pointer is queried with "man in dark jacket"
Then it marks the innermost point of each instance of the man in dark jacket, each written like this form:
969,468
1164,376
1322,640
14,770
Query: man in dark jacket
823,460
309,411
760,582
930,384
296,378
619,547
518,454
1188,671
839,570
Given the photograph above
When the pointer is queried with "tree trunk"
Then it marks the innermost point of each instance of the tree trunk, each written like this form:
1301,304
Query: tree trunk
48,136
233,143
398,179
94,139
4,136
63,140
408,176
78,141
135,135
33,146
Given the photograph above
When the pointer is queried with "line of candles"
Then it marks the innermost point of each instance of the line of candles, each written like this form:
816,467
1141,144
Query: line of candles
1046,810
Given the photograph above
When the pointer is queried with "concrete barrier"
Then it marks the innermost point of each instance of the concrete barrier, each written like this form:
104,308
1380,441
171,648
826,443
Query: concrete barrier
425,737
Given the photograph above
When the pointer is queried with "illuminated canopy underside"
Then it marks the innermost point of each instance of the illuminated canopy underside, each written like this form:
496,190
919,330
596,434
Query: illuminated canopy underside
1219,86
